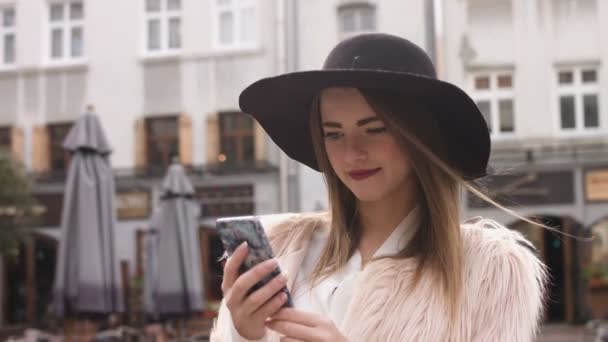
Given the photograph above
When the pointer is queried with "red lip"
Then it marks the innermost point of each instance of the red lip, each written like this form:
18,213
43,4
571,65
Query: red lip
363,174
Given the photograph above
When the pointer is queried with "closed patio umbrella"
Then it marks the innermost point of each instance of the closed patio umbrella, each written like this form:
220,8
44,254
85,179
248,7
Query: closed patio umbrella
87,274
176,288
150,275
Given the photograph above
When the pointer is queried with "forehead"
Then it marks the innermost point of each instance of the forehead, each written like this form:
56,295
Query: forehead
343,104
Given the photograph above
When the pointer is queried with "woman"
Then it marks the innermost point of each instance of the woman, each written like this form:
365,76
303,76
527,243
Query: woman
390,261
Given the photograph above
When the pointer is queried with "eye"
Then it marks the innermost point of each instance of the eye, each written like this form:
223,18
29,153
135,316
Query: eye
376,130
332,135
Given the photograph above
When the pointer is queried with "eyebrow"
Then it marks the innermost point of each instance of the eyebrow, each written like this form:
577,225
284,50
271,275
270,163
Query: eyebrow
361,122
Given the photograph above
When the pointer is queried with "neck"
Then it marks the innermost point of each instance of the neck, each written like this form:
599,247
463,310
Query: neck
379,218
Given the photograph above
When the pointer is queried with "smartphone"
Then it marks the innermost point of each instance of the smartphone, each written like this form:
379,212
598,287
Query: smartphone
235,230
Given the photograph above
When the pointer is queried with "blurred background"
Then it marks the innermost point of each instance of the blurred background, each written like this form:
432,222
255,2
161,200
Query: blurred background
164,76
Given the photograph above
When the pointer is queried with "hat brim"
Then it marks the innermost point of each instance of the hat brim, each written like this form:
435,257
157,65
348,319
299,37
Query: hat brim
282,104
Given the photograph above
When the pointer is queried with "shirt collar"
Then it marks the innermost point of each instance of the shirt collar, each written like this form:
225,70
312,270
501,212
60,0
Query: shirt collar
401,235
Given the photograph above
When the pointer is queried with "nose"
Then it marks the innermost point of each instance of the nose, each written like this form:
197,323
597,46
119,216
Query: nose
354,150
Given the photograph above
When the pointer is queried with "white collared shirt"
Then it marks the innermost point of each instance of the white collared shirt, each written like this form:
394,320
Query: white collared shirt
331,296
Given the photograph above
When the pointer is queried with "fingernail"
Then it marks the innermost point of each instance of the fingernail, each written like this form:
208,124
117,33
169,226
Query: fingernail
243,245
282,278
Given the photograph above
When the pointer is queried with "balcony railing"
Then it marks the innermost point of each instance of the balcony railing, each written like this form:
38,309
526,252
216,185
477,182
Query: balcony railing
158,171
547,151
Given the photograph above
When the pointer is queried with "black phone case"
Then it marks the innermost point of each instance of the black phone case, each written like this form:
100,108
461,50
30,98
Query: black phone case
234,231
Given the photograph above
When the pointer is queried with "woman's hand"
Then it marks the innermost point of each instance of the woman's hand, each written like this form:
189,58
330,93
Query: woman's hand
250,312
297,326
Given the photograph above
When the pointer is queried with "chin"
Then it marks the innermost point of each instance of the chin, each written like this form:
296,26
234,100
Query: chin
368,196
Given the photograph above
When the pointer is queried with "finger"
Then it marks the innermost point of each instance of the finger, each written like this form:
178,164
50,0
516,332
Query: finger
231,269
262,295
290,339
293,330
270,307
298,316
245,281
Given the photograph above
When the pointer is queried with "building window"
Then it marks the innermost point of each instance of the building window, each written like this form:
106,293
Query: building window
226,201
7,34
563,10
356,18
237,142
59,157
578,95
163,25
236,23
493,93
5,139
66,30
162,140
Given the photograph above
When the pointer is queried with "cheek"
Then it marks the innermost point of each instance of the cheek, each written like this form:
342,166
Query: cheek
333,154
402,155
335,157
396,155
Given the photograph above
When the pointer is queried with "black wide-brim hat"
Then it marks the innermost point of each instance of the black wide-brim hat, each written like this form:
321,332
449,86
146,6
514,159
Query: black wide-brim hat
282,104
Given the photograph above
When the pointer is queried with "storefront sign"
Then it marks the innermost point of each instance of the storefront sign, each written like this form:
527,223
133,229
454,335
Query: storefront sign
225,201
133,204
596,185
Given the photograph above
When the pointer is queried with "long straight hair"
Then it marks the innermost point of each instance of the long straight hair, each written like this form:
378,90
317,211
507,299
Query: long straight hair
437,245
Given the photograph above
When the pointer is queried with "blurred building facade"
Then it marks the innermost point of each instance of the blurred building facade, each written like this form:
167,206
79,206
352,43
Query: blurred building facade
164,77
537,70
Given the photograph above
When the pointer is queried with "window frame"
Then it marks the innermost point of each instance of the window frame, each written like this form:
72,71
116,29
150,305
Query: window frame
569,9
238,136
494,95
235,7
164,16
66,25
150,140
6,31
58,145
357,5
578,90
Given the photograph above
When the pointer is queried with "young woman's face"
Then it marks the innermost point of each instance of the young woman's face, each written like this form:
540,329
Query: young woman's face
362,152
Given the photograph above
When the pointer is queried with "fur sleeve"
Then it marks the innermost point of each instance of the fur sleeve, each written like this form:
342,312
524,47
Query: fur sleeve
506,283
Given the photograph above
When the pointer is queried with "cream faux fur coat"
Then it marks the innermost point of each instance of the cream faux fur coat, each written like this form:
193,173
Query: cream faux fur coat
502,294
